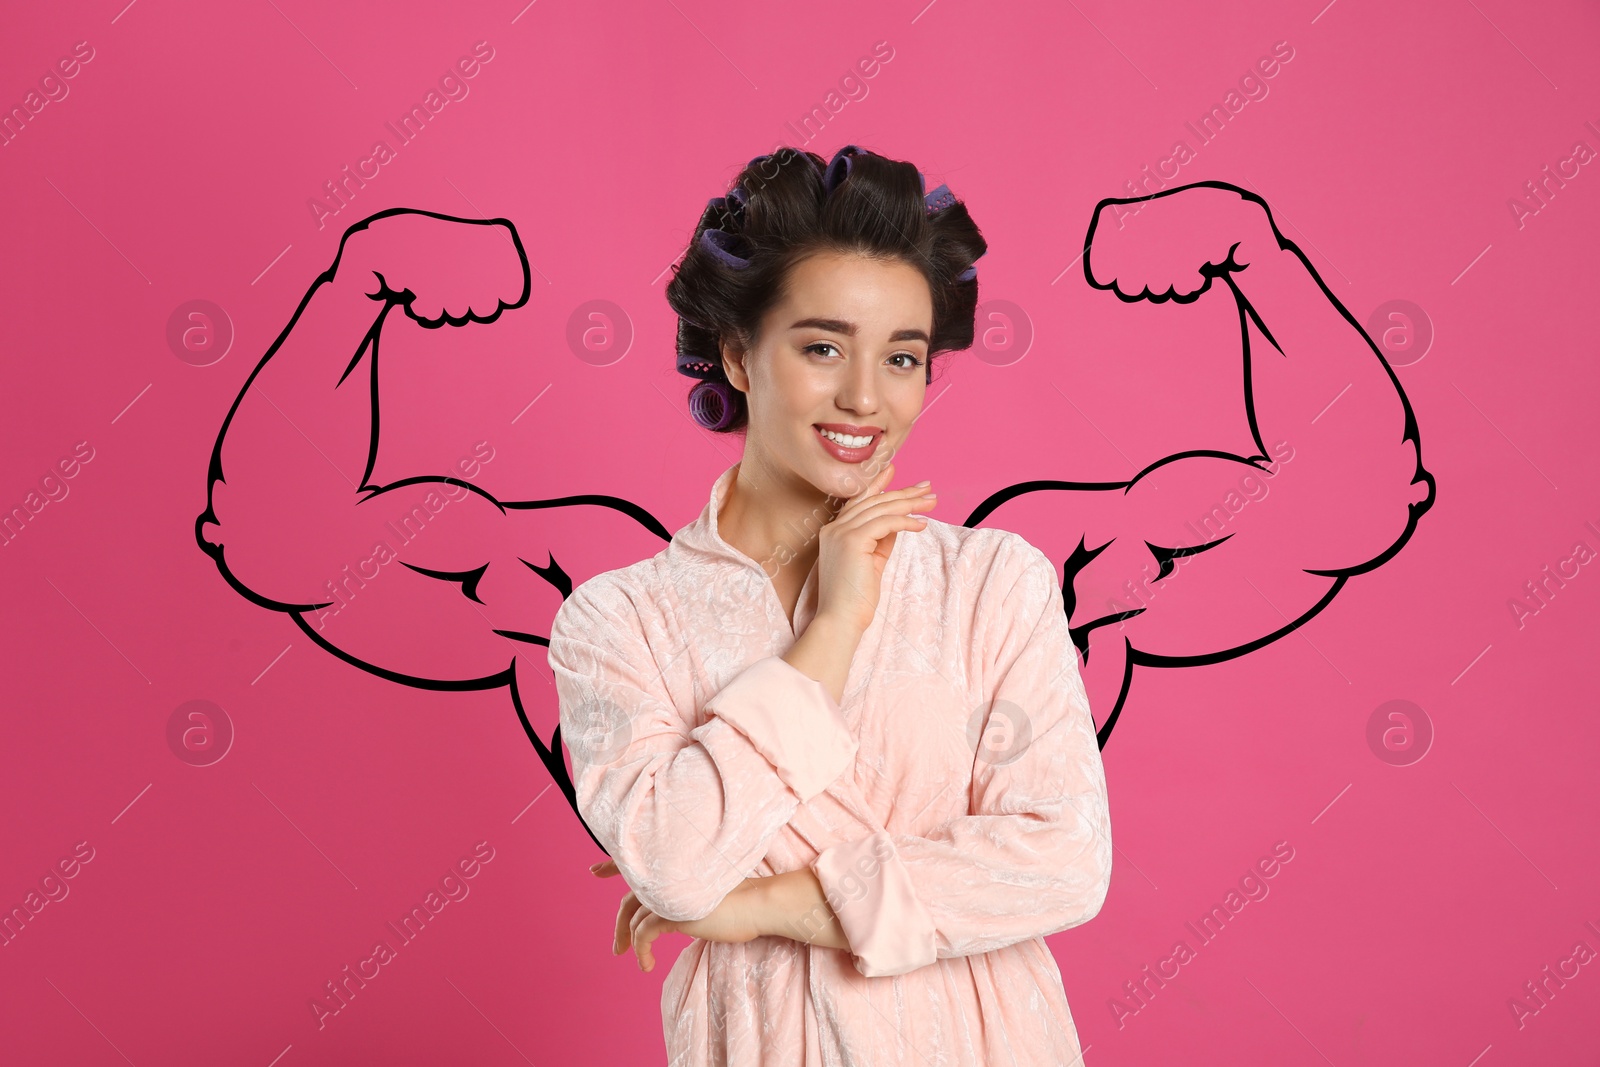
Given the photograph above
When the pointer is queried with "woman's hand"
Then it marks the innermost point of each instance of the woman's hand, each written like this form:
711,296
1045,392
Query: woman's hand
736,919
854,547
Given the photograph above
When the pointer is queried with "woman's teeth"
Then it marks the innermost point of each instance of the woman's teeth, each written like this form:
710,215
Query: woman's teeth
846,440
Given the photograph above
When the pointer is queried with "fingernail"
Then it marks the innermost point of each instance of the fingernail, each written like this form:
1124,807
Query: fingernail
919,485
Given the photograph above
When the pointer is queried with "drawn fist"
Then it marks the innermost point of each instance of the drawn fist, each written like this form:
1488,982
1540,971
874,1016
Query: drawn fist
442,269
1171,245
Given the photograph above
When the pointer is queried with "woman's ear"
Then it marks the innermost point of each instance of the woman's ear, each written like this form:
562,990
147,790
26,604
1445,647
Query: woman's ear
733,365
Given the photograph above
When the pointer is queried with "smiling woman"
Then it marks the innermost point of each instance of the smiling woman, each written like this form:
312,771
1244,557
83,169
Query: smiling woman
789,207
865,769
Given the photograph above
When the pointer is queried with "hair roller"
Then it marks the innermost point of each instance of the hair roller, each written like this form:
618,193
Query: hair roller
938,199
718,243
711,403
838,169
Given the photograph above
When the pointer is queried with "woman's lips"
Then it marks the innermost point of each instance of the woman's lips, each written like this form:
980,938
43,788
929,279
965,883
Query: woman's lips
847,455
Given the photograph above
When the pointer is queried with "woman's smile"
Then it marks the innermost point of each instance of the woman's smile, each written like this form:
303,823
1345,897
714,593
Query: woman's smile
848,447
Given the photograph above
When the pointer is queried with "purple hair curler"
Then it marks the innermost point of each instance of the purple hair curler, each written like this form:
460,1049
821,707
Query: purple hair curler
717,242
838,169
938,199
695,367
711,404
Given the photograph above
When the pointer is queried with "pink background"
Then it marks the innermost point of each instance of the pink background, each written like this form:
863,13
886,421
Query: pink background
220,899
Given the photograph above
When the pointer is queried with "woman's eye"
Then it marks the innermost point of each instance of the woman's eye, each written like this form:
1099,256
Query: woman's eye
915,362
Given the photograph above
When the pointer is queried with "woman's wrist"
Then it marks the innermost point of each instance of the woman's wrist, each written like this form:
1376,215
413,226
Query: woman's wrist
793,905
825,651
838,627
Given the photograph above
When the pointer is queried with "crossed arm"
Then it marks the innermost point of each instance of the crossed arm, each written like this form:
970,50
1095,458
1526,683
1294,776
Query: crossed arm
688,813
792,904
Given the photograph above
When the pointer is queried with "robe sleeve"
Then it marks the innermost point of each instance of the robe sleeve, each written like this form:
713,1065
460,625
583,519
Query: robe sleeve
686,812
1034,855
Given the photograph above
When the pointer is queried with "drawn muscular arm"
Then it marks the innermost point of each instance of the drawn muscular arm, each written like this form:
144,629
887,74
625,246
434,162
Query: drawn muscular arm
414,578
1312,377
1204,554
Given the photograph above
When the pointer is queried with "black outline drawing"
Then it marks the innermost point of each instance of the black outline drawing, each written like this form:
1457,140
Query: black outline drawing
1163,556
551,755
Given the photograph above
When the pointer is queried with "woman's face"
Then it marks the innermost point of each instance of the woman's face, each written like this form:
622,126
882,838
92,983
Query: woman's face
846,349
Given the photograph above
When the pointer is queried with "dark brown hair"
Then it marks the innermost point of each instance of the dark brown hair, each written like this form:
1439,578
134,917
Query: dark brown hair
787,206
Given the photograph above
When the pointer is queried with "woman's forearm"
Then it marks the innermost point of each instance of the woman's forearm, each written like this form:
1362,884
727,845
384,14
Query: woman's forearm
793,905
824,652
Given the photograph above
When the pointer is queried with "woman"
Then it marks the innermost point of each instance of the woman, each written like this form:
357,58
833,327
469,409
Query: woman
841,744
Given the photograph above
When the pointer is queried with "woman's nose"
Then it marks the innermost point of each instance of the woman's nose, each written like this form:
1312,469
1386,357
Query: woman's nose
860,391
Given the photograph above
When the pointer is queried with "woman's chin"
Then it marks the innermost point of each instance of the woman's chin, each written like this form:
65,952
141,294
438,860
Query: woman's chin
845,480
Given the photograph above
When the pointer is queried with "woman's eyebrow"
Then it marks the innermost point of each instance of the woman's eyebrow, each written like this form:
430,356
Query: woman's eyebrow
849,329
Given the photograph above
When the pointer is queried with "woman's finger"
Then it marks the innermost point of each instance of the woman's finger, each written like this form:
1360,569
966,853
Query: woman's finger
866,492
875,526
876,478
648,926
626,911
865,504
898,502
636,920
604,869
885,529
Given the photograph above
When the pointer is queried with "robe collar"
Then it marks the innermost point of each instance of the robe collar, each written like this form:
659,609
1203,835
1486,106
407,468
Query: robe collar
701,537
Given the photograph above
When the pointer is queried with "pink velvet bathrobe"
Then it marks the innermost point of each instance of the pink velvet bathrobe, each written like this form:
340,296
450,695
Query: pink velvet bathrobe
953,806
